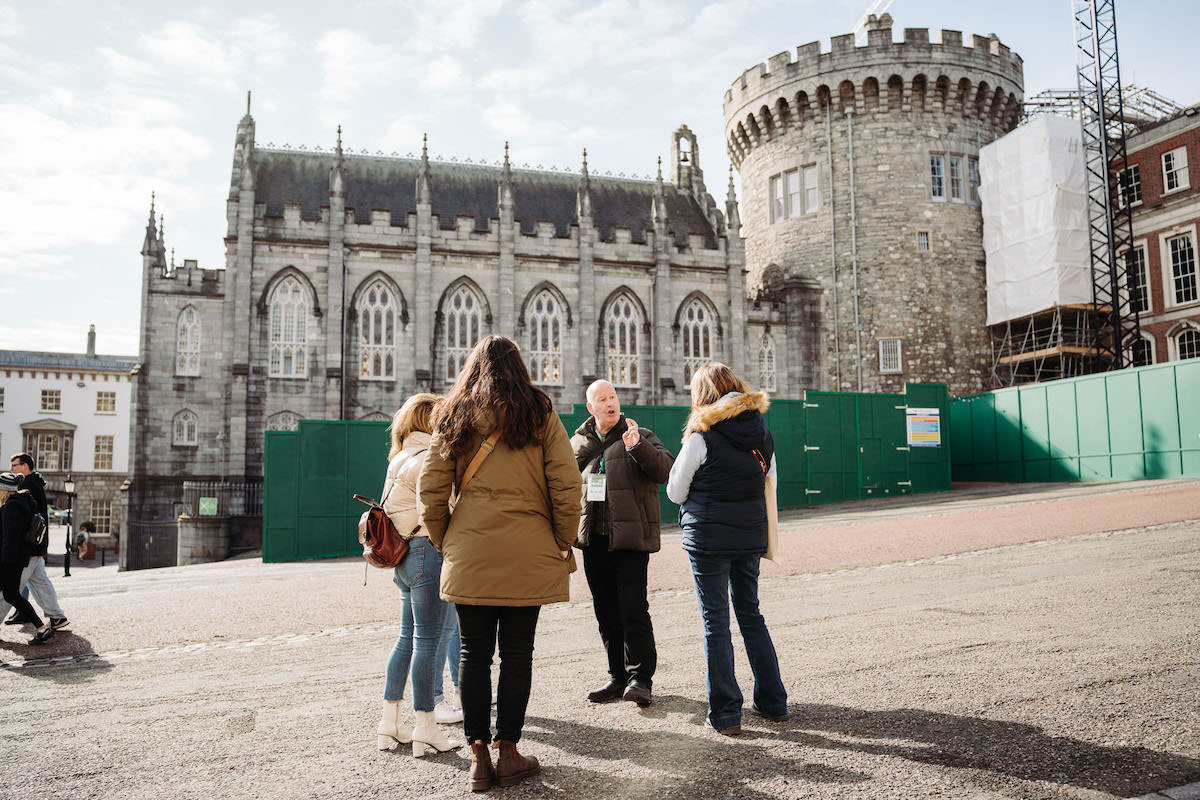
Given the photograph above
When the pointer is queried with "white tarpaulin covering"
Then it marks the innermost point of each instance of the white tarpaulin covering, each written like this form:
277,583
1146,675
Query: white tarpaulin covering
1035,219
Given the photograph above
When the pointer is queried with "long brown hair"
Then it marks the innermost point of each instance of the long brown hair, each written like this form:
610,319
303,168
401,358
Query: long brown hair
415,415
494,381
713,381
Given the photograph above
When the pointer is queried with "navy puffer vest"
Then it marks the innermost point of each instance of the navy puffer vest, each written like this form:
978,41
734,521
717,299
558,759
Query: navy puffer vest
725,511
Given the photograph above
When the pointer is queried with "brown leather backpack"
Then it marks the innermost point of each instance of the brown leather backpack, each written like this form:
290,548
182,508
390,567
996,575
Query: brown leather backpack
383,546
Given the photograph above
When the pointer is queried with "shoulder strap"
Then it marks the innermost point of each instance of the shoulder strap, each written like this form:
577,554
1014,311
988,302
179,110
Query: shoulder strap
484,451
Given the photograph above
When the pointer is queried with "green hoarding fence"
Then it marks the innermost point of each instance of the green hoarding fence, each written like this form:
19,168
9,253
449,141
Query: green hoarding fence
1112,426
830,447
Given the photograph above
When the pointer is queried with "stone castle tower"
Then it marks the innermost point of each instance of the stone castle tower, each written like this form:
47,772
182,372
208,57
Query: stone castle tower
860,170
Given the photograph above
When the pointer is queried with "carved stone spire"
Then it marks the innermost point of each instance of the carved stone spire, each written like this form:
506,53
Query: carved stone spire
732,218
424,182
583,200
659,209
337,173
505,200
150,242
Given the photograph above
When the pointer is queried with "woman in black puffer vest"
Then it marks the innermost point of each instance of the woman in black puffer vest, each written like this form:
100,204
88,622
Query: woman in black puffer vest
719,480
16,512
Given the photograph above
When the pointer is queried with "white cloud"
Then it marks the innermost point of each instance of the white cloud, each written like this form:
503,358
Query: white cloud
351,63
11,26
443,74
261,39
187,47
125,67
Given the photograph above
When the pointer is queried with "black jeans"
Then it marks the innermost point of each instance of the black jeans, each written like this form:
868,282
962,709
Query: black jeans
617,580
480,628
10,583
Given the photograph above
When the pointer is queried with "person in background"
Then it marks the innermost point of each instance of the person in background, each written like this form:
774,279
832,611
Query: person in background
422,612
37,581
719,480
507,545
622,466
16,512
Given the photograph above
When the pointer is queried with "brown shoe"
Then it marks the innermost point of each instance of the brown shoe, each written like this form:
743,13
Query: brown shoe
483,774
511,766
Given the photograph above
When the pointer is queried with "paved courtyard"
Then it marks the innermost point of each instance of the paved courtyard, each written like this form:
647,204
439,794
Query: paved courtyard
992,642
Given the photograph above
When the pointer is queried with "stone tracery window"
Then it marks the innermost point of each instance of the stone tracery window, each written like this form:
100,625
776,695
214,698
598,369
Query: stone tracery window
462,325
283,421
622,332
545,322
187,342
185,428
696,325
766,363
288,322
377,320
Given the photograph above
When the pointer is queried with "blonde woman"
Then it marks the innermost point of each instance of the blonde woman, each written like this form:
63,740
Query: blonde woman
423,613
719,481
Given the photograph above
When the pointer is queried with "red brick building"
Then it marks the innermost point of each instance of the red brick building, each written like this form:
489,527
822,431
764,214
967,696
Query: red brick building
1163,187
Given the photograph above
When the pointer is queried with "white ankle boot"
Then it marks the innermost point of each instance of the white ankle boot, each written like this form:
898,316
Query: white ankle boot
444,713
390,731
427,737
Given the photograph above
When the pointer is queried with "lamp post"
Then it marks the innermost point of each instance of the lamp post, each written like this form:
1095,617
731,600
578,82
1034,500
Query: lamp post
69,485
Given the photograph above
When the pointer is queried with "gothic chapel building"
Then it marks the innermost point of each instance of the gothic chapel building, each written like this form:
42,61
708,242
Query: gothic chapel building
352,281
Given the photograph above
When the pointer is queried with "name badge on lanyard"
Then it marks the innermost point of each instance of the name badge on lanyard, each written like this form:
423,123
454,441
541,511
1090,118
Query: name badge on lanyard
597,487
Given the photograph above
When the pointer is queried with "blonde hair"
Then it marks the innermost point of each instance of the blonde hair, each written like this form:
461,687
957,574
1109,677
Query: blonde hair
415,415
713,381
4,495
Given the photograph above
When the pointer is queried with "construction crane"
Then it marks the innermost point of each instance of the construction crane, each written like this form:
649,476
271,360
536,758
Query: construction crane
1110,223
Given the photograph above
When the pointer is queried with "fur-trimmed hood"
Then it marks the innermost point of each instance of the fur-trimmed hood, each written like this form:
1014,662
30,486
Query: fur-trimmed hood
731,405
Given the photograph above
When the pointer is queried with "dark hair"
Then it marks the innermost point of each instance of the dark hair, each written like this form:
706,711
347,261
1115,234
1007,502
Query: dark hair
24,458
494,381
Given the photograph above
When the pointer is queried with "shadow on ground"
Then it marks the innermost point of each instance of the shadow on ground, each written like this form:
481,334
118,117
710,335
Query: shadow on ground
989,748
1015,749
40,661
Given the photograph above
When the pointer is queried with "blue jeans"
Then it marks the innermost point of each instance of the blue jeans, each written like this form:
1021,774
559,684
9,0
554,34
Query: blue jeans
716,577
422,622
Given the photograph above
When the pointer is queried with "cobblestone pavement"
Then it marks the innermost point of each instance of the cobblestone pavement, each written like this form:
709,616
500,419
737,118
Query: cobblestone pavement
994,642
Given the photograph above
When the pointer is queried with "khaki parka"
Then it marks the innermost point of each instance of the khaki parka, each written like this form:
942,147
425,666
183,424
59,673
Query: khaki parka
502,546
634,513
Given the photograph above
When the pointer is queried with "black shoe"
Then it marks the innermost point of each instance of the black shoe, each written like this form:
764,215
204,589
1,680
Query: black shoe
59,622
42,636
609,691
638,692
17,619
756,710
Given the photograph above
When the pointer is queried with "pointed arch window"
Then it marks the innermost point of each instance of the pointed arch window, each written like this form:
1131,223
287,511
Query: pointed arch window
696,324
288,323
462,326
545,322
187,342
766,363
283,421
377,320
623,326
185,429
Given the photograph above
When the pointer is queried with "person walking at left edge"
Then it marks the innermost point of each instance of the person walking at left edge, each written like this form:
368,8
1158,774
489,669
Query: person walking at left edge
16,512
507,544
622,465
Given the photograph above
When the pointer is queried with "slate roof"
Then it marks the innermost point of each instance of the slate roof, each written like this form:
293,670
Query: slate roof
42,360
389,184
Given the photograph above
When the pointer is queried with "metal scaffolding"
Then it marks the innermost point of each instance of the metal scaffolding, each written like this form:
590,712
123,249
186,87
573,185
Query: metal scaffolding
1110,225
1050,344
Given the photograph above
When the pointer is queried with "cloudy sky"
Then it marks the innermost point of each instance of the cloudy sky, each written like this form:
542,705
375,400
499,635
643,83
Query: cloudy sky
103,102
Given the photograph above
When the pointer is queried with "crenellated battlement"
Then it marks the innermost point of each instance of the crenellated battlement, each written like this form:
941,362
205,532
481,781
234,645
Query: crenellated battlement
983,79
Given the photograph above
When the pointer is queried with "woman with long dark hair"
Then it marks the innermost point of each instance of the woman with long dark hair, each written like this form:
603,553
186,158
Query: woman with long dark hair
498,445
719,481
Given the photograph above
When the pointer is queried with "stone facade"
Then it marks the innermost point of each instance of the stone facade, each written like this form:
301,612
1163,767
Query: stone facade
353,281
851,138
